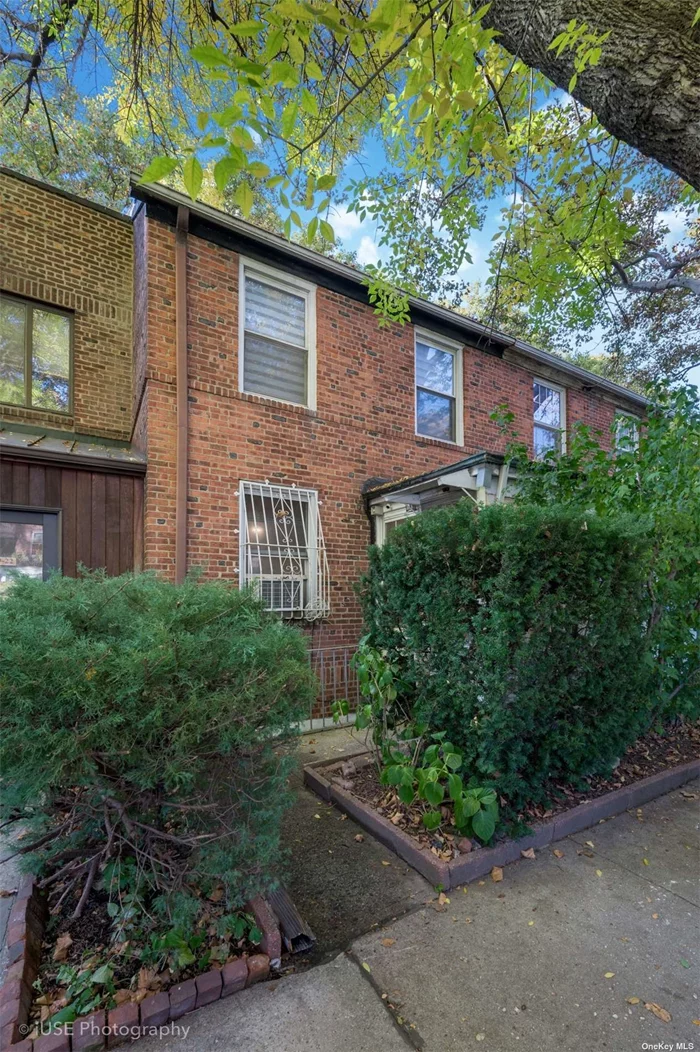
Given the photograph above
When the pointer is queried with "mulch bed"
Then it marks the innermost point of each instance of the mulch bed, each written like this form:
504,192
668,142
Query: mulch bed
88,943
649,755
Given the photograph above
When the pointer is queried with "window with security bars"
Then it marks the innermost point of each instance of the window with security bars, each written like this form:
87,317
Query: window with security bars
549,422
282,549
277,337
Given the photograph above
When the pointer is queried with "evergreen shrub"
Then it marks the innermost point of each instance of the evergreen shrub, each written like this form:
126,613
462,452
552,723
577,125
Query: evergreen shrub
519,632
145,722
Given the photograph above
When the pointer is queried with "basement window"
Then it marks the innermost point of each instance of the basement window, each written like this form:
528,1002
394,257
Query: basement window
282,551
549,411
277,336
35,355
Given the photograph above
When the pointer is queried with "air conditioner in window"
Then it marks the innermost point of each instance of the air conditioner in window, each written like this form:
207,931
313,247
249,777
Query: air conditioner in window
282,595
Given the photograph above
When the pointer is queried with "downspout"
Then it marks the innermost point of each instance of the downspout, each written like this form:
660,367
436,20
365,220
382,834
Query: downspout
183,217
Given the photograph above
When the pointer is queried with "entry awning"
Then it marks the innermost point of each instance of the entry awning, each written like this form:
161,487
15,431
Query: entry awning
483,476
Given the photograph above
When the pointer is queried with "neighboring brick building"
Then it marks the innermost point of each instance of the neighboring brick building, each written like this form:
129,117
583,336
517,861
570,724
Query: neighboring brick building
261,478
282,427
71,487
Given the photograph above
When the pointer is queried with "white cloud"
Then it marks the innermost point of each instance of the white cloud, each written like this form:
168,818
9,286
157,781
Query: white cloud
367,251
344,223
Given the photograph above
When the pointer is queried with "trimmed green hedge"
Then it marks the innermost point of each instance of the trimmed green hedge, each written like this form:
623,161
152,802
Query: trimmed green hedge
518,630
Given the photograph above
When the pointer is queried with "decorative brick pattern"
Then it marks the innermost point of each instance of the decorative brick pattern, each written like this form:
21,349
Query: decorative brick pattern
68,253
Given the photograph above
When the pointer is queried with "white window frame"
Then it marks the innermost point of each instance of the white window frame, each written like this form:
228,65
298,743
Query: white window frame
297,287
390,513
562,405
441,343
621,414
318,590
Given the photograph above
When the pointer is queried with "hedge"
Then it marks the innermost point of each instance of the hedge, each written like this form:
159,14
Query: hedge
148,719
518,630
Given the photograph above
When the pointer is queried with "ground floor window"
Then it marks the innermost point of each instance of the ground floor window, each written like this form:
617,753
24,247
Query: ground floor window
28,544
282,549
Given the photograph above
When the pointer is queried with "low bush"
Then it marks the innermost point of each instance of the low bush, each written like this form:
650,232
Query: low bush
519,632
142,731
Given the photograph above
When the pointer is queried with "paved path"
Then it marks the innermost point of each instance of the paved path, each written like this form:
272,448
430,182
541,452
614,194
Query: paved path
519,965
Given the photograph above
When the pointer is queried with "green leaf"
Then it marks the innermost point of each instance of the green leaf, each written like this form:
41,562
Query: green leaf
158,169
434,793
394,775
454,785
255,935
247,29
113,909
406,794
258,169
484,824
432,819
327,232
102,975
223,170
454,761
308,103
469,805
208,55
244,198
192,176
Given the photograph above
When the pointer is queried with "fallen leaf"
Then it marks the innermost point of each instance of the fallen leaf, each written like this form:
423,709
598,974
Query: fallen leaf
63,945
696,1022
385,863
530,924
388,942
481,883
528,853
609,975
658,1011
655,916
684,963
317,816
645,861
557,853
496,874
599,873
359,838
5,894
589,843
481,1037
123,995
443,899
689,796
216,895
366,966
632,1000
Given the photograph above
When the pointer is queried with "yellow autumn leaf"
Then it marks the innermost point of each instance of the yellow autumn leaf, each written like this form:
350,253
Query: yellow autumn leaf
366,966
609,975
633,1001
645,861
599,873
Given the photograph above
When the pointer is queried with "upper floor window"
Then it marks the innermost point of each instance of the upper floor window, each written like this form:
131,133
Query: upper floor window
277,336
438,388
282,549
626,432
549,413
35,355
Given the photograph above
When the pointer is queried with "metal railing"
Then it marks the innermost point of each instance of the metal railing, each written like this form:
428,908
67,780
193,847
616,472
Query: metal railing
337,681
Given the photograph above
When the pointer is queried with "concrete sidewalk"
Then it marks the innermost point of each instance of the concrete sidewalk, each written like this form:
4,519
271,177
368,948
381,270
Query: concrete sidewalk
515,965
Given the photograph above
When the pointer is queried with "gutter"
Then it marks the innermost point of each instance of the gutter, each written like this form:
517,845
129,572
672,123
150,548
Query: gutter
307,257
183,217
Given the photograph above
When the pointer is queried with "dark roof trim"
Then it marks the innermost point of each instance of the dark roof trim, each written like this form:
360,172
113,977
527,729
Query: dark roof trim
103,465
371,492
41,185
232,232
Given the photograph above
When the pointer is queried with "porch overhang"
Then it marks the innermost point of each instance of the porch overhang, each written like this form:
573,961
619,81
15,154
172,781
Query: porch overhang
482,476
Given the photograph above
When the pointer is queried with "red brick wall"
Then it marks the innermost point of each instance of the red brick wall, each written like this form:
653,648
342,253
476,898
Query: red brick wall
363,426
69,254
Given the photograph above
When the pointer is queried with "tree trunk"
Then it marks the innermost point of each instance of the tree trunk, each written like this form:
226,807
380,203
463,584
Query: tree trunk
645,89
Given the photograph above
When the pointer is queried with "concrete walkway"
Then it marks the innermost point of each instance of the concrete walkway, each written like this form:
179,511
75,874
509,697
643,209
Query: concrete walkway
523,964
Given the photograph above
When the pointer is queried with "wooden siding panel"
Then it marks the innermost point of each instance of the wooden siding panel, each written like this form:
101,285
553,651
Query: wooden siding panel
84,513
69,522
112,524
126,527
101,512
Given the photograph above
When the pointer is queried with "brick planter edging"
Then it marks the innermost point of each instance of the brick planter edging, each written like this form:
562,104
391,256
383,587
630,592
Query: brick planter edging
480,861
130,1020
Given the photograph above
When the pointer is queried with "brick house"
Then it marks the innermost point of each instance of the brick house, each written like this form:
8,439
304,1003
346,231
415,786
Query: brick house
283,429
71,485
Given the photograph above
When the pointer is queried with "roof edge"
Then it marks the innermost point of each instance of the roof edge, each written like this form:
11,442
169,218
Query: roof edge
40,184
163,194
